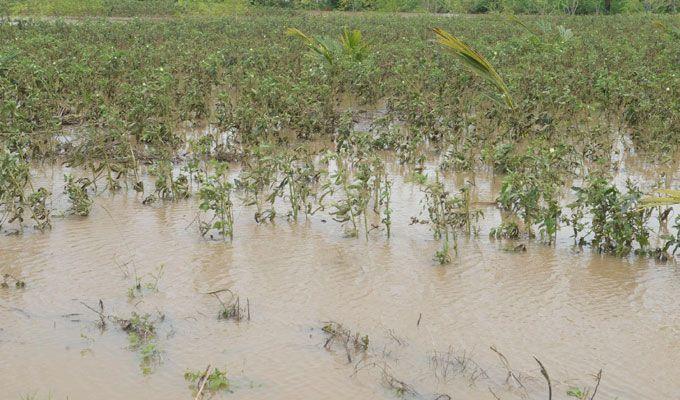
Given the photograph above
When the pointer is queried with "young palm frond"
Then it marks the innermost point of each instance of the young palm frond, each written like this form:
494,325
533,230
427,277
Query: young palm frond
516,20
353,44
317,45
476,62
669,197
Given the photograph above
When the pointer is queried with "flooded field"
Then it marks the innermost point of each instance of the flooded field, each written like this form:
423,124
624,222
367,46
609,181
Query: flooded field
340,206
429,327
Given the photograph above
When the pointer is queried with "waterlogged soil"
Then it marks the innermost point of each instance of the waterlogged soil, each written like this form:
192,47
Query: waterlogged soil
576,311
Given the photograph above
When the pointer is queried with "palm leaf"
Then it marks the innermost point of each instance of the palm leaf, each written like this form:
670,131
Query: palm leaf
353,44
513,18
669,197
475,62
313,43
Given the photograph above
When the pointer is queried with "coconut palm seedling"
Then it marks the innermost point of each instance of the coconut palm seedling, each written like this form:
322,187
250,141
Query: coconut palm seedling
320,46
350,47
516,20
351,43
563,34
477,63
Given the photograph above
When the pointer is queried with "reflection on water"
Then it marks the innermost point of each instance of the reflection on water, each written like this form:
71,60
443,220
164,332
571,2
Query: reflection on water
576,311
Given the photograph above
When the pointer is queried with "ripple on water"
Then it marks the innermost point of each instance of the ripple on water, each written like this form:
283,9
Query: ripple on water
577,312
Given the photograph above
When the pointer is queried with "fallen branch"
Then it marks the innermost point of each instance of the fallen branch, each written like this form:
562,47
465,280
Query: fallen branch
597,385
544,372
202,381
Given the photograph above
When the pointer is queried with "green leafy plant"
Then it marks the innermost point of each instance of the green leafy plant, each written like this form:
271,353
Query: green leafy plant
17,194
615,224
141,331
212,380
447,214
77,192
215,198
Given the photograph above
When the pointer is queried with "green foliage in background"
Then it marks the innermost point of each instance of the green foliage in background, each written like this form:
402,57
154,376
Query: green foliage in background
122,8
165,8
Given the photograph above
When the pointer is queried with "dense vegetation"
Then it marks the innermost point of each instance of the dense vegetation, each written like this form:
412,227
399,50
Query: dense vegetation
121,8
160,8
114,100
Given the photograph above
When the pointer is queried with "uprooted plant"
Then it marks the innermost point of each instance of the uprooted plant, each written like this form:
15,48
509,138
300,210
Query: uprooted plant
141,331
353,343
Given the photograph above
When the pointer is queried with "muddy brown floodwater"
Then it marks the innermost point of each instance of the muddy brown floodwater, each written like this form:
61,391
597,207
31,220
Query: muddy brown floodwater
576,311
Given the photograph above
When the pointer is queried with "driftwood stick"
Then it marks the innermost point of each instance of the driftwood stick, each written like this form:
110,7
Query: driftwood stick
506,364
202,382
597,385
544,372
100,312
